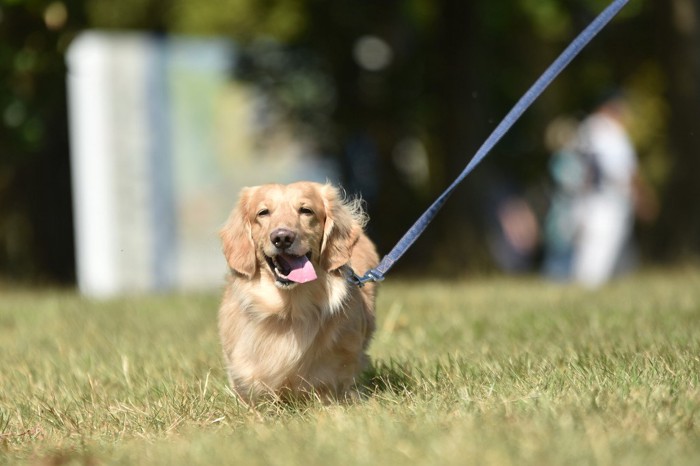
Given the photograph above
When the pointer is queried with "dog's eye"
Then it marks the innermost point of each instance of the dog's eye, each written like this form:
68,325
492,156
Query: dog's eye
264,213
305,211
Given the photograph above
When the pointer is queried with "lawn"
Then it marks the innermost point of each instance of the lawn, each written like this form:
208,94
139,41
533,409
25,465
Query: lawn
487,371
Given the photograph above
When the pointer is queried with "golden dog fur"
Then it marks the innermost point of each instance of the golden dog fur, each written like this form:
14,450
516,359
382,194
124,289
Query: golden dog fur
290,339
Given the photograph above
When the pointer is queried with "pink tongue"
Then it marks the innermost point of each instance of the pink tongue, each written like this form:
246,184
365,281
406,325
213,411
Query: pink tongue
302,270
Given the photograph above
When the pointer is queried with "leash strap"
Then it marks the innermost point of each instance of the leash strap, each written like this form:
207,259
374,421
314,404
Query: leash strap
377,274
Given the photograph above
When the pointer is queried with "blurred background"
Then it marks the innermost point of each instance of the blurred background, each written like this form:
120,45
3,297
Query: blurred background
127,128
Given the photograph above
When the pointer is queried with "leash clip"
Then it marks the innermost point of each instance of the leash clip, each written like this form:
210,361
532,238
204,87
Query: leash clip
353,278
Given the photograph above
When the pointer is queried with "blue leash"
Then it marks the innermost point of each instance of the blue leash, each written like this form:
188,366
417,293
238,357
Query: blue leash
377,274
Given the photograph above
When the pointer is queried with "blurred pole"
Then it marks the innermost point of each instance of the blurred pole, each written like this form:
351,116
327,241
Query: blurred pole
92,173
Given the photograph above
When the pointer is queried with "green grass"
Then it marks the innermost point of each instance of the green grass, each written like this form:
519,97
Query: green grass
491,371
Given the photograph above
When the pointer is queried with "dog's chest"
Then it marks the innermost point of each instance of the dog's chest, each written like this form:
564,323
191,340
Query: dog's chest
287,335
273,351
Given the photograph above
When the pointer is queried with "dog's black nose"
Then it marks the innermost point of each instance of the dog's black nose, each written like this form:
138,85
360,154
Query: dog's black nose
282,238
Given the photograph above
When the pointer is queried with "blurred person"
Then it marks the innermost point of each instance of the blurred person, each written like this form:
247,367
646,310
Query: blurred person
512,228
609,194
568,171
520,235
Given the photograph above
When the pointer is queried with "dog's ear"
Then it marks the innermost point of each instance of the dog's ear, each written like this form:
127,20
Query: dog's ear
237,238
344,223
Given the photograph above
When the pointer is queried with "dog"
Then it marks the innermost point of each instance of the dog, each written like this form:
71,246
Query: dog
290,323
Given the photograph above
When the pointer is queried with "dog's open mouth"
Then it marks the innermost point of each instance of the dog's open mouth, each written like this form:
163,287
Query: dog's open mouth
290,269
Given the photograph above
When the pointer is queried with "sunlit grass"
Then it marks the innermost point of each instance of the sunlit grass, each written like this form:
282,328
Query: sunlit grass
482,371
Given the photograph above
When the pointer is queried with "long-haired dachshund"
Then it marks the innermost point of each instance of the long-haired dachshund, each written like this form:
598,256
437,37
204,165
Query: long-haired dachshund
290,323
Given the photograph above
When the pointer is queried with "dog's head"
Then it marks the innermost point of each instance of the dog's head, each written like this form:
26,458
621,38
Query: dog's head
291,232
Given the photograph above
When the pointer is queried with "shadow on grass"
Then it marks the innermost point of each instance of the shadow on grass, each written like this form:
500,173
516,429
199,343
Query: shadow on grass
388,377
382,377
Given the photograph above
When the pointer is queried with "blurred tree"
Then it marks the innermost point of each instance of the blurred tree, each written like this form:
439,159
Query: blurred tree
36,235
401,92
678,35
244,20
147,15
375,54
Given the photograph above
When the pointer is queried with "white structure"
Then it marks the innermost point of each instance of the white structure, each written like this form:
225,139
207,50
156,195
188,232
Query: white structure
162,141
